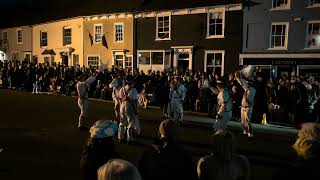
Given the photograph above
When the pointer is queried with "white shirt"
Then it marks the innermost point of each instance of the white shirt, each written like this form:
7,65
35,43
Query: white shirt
224,101
83,87
116,85
178,93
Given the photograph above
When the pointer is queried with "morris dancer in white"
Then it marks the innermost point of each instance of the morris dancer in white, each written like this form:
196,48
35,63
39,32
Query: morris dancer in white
247,99
116,85
82,89
177,96
224,108
129,111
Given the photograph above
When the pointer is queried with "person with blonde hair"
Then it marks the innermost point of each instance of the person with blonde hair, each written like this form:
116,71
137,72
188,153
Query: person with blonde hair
307,147
118,169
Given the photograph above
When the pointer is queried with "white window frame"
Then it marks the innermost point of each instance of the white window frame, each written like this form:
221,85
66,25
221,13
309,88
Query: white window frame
151,51
281,7
125,61
313,5
115,32
4,32
307,34
114,60
42,39
27,53
95,33
93,55
63,36
219,10
206,52
285,47
157,27
17,35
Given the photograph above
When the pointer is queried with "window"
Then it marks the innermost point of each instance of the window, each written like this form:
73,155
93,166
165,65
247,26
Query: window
155,58
75,59
5,37
129,64
214,62
280,4
279,35
98,33
43,39
14,56
163,28
118,58
313,35
19,36
144,58
215,27
313,3
93,60
46,60
67,34
118,32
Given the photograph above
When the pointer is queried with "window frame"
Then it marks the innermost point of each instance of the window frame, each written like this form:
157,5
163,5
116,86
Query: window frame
206,52
312,6
285,47
157,27
115,32
223,23
41,39
280,8
63,32
2,34
17,55
17,35
307,34
93,55
150,52
95,32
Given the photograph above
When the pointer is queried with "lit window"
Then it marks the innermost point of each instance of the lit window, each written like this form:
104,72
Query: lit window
119,32
163,28
313,3
98,33
43,39
313,36
281,4
215,26
67,34
19,36
279,36
93,60
129,62
213,62
119,60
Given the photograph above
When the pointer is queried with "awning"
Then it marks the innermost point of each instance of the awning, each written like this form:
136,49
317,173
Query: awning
48,52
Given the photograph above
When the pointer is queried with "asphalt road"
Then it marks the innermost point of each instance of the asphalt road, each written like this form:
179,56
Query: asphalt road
39,138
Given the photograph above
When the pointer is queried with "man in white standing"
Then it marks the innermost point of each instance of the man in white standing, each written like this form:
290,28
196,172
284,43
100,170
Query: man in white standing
176,96
224,107
129,122
116,84
247,99
82,89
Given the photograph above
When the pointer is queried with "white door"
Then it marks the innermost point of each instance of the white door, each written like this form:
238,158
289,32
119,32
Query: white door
27,56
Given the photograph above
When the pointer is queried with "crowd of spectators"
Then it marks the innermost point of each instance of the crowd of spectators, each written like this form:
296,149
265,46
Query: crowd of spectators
283,100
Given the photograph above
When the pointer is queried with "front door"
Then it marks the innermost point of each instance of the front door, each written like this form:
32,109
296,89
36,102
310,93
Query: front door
65,60
183,58
27,57
183,61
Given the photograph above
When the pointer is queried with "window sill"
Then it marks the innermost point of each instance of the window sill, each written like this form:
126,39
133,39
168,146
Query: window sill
118,41
168,39
311,48
280,9
215,37
97,42
44,47
314,6
20,43
277,49
67,45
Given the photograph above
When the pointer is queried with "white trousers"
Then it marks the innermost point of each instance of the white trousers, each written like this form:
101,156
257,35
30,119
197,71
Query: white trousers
129,122
246,113
116,107
83,118
221,123
175,110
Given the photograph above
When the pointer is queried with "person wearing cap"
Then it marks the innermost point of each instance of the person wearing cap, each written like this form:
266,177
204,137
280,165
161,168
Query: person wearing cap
223,163
167,159
99,149
247,99
129,122
176,96
224,107
116,84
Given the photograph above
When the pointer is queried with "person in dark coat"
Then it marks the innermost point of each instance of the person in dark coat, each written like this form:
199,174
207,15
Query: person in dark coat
168,160
307,147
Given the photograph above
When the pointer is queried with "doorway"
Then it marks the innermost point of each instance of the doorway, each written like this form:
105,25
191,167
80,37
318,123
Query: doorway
65,60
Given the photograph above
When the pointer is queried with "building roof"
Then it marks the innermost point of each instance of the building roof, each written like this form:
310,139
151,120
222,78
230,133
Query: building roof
29,12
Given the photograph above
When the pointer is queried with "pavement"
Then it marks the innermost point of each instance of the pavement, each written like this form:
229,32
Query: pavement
39,138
